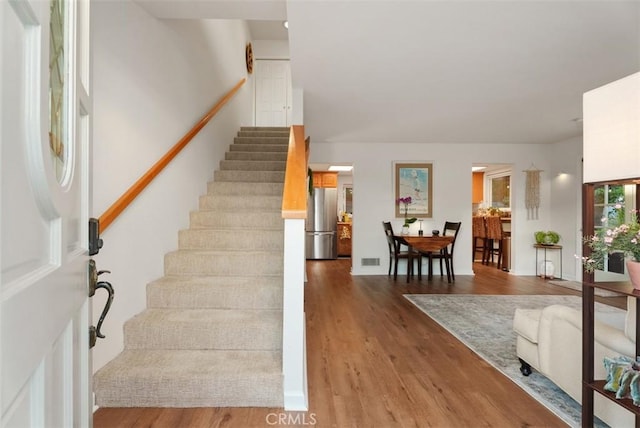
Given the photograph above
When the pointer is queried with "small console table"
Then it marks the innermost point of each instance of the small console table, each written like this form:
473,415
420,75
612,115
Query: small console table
544,248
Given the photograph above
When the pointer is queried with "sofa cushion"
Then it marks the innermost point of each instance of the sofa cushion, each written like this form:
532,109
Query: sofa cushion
526,322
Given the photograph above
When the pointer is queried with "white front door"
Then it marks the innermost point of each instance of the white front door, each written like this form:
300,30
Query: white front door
273,93
44,199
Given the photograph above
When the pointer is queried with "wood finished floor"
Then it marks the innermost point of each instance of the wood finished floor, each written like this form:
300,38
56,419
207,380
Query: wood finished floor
375,360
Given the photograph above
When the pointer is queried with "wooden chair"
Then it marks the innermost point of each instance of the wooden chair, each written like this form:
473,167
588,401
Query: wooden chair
396,253
494,240
479,232
450,229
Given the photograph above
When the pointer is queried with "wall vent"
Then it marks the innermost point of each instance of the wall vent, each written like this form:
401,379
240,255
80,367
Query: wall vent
370,262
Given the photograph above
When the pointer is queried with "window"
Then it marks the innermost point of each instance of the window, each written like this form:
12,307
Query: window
499,185
610,209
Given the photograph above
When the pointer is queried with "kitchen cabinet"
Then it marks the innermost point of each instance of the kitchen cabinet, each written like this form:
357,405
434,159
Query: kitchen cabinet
477,188
325,179
344,239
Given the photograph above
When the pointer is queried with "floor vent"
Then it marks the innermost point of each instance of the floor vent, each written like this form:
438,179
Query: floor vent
370,262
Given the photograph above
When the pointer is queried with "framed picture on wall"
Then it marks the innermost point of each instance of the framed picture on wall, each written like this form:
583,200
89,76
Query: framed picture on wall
414,180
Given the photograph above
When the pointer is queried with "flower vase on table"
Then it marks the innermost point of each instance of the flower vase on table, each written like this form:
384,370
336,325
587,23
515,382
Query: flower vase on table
406,201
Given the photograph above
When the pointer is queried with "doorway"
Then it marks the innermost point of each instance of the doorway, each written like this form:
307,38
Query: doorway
491,197
273,97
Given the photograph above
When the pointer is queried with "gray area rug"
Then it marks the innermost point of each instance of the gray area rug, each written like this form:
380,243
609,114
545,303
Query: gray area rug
485,325
573,285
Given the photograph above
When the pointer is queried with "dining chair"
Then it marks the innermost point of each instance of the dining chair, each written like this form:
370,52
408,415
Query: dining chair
494,240
479,232
396,252
450,229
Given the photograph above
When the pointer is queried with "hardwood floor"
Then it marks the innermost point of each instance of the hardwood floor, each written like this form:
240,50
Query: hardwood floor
375,360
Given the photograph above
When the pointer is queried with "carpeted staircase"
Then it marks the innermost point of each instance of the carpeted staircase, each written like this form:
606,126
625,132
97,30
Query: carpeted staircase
211,335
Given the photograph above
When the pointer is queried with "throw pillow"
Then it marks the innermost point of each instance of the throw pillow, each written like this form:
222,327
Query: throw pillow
615,368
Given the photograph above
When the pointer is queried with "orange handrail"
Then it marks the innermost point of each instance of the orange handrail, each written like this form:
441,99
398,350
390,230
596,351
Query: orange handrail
127,197
294,196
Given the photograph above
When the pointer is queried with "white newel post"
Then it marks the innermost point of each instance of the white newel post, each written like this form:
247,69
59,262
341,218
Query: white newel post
294,358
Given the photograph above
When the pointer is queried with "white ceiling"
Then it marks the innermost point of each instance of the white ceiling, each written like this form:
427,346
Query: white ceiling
428,71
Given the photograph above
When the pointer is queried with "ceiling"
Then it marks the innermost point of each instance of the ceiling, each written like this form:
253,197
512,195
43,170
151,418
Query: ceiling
472,71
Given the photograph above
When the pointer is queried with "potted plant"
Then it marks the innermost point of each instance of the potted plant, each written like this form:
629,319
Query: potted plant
623,238
407,221
548,237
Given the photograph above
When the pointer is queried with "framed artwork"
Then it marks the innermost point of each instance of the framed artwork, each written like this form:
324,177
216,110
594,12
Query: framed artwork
414,180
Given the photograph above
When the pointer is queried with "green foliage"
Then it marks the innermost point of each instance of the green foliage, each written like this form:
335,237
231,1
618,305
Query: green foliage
548,237
623,238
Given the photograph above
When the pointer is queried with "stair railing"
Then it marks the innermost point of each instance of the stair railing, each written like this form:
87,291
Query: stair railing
294,196
294,213
127,197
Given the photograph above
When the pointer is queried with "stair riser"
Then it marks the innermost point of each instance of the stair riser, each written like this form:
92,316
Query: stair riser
221,263
166,391
237,240
244,165
198,296
250,176
265,128
262,140
264,156
257,134
246,189
155,378
189,334
267,148
240,203
235,220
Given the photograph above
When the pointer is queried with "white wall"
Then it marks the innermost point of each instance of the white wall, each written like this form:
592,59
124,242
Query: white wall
373,196
152,81
612,130
270,49
565,207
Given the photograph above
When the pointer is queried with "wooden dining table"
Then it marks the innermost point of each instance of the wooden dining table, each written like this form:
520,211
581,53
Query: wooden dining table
429,244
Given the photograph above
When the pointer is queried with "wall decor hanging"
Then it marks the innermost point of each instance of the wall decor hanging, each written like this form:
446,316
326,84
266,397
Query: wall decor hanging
249,58
532,192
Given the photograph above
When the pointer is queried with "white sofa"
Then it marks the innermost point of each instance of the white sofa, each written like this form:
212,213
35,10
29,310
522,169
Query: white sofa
550,341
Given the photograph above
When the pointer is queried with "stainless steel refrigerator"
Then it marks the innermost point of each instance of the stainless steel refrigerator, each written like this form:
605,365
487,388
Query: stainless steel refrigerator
321,227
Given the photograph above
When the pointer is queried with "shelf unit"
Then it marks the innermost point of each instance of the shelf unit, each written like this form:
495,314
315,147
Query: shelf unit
590,385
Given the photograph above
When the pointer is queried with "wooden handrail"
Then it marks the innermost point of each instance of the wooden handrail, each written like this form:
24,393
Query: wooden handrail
294,196
127,197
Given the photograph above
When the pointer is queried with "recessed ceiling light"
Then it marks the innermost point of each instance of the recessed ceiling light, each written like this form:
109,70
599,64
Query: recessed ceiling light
286,24
340,168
